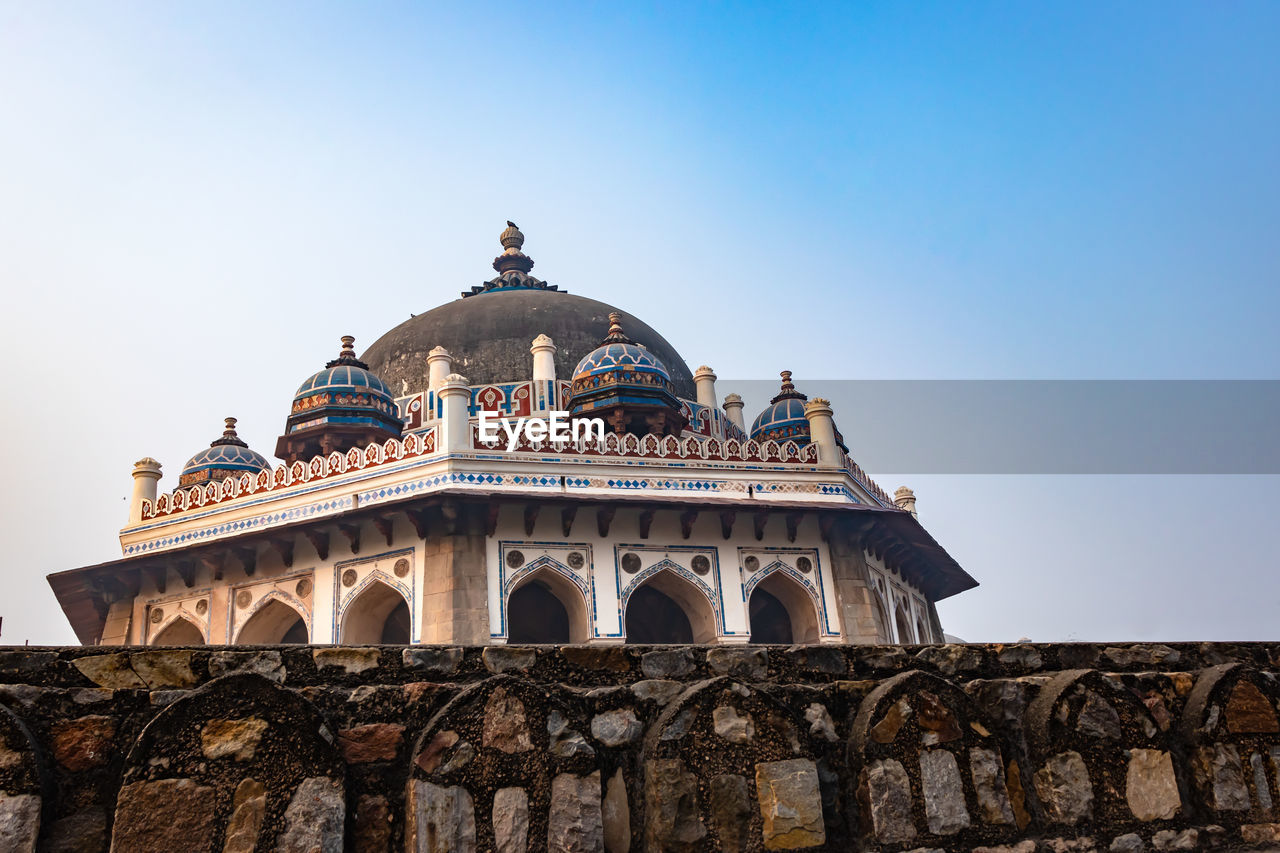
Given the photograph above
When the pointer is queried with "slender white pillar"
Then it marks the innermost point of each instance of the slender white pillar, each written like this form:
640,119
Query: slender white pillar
733,408
146,476
439,366
544,359
455,397
822,431
704,379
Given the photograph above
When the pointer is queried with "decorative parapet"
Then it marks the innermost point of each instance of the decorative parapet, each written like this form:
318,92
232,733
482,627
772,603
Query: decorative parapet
421,443
668,447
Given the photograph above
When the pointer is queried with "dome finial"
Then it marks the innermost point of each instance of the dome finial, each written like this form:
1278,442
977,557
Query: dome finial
348,347
788,391
616,335
228,435
512,259
230,431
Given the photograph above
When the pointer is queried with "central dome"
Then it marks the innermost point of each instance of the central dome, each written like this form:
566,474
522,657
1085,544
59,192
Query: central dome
488,332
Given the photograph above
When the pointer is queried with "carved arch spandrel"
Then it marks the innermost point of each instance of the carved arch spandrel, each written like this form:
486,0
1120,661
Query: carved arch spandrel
239,756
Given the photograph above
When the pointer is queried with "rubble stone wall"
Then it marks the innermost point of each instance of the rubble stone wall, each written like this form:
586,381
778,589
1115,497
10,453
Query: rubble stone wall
1016,748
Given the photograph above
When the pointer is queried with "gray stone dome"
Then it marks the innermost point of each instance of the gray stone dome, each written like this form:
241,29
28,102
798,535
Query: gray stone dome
489,333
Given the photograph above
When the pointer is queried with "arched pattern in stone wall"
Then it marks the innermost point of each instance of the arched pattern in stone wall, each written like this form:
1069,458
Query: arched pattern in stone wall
1231,722
1098,754
181,631
508,750
918,739
21,785
727,767
240,764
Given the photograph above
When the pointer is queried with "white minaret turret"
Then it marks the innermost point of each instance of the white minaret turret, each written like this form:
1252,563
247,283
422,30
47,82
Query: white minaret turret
146,476
822,431
733,408
455,397
905,499
704,379
544,359
439,366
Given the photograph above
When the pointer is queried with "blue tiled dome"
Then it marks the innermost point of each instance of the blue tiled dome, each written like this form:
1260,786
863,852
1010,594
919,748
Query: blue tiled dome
226,456
784,419
625,381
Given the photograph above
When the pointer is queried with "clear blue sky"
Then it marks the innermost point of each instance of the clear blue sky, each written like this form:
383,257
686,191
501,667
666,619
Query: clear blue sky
197,200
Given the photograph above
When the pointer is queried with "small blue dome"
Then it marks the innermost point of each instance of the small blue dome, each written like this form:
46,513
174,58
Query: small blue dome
626,382
343,389
782,421
226,456
344,377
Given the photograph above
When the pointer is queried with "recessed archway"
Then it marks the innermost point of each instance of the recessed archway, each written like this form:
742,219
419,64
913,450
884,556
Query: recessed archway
903,624
923,635
546,607
180,632
666,608
273,622
884,629
781,611
378,614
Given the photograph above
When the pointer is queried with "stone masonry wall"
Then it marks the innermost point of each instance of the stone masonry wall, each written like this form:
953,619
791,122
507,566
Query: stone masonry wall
1016,748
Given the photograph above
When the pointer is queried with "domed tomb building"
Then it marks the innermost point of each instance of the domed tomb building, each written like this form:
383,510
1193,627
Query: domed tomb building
404,512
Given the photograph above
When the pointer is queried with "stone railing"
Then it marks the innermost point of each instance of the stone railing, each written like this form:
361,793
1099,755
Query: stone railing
998,748
421,443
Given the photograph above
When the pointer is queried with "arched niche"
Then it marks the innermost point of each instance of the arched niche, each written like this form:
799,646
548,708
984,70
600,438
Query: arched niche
922,632
903,623
378,614
239,763
180,631
884,630
546,607
274,621
781,611
666,608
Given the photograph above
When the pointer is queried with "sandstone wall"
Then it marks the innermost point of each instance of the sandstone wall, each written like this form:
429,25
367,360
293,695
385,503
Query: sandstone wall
1015,748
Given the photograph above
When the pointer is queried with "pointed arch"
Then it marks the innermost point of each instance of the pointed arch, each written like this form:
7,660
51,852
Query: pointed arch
378,613
884,628
902,621
274,619
785,611
666,608
546,606
923,634
180,631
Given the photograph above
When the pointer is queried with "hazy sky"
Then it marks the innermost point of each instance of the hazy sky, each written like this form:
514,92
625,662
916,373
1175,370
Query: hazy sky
196,201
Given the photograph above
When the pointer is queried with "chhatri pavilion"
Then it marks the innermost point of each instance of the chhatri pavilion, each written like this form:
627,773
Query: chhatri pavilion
393,517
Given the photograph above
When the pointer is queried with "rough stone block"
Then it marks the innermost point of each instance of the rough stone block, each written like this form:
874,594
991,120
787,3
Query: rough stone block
749,664
615,813
371,742
505,725
500,659
943,792
616,728
351,660
164,816
373,825
1220,774
672,816
575,823
112,670
790,804
1150,786
250,807
315,818
732,726
606,658
511,820
434,659
83,743
667,663
731,811
885,792
83,832
990,786
1064,788
167,668
268,664
19,822
236,739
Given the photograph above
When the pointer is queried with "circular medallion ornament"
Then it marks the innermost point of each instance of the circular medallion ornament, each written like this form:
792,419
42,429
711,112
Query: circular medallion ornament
751,563
576,560
804,564
157,616
303,589
243,598
701,564
401,567
349,577
515,559
630,563
202,607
